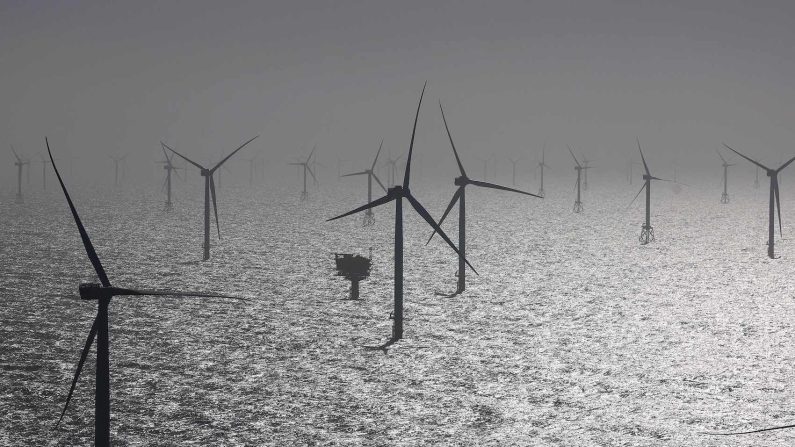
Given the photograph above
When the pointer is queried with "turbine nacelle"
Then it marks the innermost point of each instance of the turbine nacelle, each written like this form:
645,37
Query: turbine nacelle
461,181
206,172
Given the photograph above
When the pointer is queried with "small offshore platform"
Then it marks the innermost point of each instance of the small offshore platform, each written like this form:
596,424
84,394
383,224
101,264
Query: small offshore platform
354,268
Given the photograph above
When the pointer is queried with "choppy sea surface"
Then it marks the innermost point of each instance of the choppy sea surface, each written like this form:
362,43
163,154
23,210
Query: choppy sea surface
572,334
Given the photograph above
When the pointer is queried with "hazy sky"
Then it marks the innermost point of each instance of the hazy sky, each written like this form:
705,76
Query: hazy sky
116,77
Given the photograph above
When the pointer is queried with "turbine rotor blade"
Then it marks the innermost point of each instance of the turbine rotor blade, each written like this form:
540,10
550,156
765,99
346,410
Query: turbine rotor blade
378,181
407,173
174,293
504,188
311,173
385,199
721,156
778,206
636,195
215,205
184,157
92,333
15,154
233,153
92,254
456,196
449,136
355,173
427,216
645,166
311,154
380,146
572,155
785,164
752,161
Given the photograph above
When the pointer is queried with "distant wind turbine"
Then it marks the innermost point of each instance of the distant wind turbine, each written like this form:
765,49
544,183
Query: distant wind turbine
306,166
369,219
577,202
103,293
209,188
116,161
541,166
724,198
775,203
168,165
513,169
19,163
44,163
397,194
460,196
646,232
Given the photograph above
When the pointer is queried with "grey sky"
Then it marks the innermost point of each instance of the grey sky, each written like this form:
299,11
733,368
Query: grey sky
115,77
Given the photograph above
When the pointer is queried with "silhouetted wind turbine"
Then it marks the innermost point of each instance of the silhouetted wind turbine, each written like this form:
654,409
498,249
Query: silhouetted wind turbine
513,170
585,167
391,165
646,232
369,219
577,203
168,165
541,167
99,329
209,188
397,194
116,160
724,198
20,163
305,165
460,196
774,195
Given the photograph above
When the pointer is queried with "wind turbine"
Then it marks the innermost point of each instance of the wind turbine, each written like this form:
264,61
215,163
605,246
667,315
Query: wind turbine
391,165
774,195
541,167
116,160
513,169
397,194
305,164
44,163
578,208
209,188
756,180
103,293
20,163
168,165
369,219
251,165
646,232
460,196
724,198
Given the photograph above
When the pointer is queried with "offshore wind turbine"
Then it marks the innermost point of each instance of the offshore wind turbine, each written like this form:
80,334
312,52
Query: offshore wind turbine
103,293
724,198
391,166
578,208
369,218
775,202
305,165
585,167
513,169
209,189
397,194
646,232
541,166
19,163
116,161
460,196
168,165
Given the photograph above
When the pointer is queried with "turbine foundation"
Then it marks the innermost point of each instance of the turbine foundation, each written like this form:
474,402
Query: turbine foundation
369,219
578,208
646,234
724,198
304,195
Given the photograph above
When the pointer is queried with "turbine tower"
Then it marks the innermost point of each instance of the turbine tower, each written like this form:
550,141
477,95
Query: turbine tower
775,203
646,232
369,218
305,165
116,161
19,163
103,293
724,198
209,188
460,196
585,167
578,208
397,194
